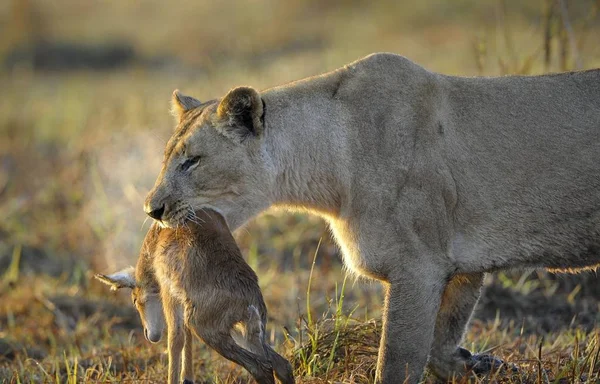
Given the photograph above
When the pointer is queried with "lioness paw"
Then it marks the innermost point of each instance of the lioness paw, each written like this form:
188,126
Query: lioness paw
482,363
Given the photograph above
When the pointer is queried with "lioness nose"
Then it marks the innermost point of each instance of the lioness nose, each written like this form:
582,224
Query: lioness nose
155,213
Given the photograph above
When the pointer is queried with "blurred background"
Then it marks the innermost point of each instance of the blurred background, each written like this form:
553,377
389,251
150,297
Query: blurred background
85,88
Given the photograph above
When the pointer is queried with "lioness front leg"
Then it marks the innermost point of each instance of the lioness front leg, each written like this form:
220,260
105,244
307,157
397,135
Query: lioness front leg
411,304
447,358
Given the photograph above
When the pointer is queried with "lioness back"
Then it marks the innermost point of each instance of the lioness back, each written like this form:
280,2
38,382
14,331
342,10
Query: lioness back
523,152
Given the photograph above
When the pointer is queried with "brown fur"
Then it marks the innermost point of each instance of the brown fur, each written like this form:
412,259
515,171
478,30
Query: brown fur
207,289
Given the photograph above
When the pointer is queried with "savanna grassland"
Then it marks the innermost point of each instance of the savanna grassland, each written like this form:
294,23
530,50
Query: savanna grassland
80,147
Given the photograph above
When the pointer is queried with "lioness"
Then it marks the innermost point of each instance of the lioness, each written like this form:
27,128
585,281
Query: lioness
428,181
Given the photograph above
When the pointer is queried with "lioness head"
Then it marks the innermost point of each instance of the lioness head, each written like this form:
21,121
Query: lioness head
214,159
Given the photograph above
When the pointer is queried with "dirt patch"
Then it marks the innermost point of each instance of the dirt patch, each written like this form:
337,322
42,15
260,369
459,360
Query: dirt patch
542,302
73,309
9,349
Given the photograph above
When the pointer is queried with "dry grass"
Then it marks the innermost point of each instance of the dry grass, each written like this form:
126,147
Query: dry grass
79,150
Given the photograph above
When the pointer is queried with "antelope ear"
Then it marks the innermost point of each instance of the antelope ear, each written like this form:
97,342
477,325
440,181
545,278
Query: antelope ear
181,103
122,279
240,113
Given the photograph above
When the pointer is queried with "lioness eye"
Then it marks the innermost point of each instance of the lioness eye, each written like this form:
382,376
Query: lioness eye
190,162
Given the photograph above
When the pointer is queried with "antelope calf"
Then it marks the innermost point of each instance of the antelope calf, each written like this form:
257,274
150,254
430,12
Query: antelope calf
196,279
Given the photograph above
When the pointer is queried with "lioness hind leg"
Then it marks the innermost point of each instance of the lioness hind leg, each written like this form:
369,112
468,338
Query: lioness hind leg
447,358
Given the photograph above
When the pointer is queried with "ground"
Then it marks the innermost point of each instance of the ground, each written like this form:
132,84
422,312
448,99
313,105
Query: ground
82,144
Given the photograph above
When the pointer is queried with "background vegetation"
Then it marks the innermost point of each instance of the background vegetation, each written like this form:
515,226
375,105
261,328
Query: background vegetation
84,93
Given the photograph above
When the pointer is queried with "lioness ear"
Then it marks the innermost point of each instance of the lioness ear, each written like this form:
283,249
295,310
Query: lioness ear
122,279
240,113
181,103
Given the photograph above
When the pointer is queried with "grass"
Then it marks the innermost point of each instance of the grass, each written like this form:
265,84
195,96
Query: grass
66,331
79,150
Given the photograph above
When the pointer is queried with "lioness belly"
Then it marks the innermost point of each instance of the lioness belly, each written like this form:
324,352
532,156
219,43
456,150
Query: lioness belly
565,252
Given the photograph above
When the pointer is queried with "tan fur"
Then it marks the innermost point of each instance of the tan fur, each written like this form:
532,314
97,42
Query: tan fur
428,181
206,288
182,103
